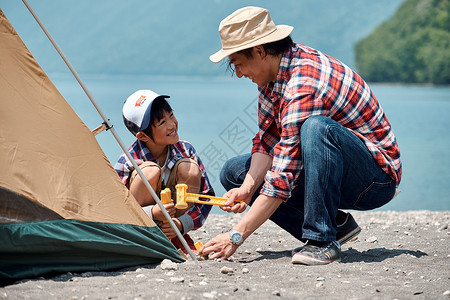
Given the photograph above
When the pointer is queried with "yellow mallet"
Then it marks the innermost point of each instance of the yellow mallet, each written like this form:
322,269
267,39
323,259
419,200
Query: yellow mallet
183,197
166,196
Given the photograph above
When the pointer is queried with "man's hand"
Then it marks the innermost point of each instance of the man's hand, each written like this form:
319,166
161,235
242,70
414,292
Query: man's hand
259,166
261,210
219,247
234,195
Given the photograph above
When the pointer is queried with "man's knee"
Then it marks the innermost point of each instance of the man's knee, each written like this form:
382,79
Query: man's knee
314,125
314,132
234,170
225,173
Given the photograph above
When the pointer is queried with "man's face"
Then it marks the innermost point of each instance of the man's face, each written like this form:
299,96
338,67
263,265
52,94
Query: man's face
254,68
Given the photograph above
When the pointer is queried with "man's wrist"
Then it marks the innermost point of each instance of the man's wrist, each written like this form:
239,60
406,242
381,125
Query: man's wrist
248,187
236,237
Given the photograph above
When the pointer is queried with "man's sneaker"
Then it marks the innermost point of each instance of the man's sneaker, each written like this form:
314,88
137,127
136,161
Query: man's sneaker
347,231
312,255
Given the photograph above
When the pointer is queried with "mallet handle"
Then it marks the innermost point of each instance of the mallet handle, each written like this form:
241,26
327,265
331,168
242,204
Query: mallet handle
214,200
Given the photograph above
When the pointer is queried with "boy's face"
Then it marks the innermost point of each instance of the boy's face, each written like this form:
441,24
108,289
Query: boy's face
165,131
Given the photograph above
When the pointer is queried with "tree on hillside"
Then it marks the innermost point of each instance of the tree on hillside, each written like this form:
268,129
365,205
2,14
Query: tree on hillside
412,47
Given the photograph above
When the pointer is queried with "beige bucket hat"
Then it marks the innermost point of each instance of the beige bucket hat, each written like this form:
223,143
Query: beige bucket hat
248,27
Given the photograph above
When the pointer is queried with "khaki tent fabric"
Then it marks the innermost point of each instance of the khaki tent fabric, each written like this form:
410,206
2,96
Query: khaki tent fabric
63,207
47,154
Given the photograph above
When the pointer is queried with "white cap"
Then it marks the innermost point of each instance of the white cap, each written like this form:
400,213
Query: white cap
137,108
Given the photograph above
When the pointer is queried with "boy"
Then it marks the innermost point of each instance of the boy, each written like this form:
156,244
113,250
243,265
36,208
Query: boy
165,161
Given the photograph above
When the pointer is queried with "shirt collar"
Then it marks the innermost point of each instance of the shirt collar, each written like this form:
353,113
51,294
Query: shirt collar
145,153
277,86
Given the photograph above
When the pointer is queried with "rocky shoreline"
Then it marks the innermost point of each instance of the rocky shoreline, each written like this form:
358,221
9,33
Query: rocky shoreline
398,255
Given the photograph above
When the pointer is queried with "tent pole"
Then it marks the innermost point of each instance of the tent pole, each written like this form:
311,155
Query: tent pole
116,136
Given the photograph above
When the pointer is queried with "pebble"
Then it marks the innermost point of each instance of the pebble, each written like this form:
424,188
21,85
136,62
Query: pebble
245,270
276,293
443,227
177,279
320,279
226,270
211,295
446,293
372,239
167,264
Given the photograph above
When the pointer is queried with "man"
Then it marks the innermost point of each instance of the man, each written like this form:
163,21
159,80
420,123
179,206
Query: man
323,144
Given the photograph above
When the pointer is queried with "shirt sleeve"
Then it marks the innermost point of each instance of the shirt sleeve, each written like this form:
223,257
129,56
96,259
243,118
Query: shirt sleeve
264,139
194,217
256,144
122,169
287,163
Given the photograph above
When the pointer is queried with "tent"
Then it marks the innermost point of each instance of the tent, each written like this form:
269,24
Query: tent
62,206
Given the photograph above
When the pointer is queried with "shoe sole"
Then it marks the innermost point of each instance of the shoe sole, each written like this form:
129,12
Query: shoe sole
350,237
309,261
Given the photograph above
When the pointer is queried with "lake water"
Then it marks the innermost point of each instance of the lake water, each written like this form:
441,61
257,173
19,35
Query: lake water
218,116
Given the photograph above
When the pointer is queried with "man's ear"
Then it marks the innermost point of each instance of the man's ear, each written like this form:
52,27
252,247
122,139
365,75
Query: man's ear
142,136
259,50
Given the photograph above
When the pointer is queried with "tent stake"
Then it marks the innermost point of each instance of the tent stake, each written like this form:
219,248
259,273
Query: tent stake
116,136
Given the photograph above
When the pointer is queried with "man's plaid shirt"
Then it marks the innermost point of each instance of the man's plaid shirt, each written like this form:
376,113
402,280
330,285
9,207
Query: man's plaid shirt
311,83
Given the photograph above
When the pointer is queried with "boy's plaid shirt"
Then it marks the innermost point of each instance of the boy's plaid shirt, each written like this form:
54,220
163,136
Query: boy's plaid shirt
140,153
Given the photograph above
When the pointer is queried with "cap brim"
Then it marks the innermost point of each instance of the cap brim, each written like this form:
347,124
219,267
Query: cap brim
279,34
147,115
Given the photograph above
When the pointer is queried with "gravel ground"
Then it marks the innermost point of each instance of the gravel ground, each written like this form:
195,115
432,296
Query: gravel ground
398,255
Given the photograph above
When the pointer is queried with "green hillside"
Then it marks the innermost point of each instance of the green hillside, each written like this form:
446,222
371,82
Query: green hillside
412,47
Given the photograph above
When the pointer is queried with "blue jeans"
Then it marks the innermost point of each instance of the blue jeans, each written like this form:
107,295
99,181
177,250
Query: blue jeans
339,173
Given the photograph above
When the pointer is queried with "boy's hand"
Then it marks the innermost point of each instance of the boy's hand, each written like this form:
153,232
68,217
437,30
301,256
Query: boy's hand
168,231
158,214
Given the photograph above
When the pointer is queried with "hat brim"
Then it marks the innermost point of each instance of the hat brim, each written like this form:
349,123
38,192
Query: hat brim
279,34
